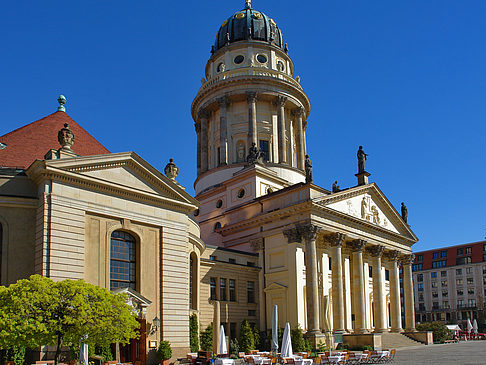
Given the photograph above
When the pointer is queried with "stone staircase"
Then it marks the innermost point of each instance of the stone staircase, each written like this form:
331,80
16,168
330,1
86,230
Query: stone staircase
397,340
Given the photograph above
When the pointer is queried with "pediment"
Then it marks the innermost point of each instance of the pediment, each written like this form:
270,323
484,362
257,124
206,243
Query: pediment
369,204
275,286
126,171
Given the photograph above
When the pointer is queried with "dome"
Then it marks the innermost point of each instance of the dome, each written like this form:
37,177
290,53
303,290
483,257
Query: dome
248,24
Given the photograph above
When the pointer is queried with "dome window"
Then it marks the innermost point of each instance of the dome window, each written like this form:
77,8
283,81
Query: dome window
241,193
261,58
240,15
257,15
221,67
280,66
239,59
219,203
196,212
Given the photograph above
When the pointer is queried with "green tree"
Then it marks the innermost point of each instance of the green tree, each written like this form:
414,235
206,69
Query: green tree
193,332
38,311
299,343
207,338
440,330
247,338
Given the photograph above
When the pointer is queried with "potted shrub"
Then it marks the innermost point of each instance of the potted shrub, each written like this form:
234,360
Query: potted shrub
164,352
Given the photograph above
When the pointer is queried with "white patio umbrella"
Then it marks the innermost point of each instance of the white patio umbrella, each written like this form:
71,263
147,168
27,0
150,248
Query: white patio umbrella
223,348
83,353
275,329
469,326
475,326
327,320
286,342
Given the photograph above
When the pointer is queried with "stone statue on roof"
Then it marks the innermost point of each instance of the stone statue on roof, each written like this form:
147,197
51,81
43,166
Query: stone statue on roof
361,159
308,170
404,212
65,137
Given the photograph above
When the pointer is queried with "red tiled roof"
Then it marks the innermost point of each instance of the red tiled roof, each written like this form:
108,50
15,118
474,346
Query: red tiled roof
33,141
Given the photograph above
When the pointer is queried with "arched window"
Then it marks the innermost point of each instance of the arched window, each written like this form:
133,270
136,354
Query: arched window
123,261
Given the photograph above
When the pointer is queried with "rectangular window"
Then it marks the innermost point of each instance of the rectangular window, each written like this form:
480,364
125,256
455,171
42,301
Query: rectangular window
232,290
264,148
330,263
471,302
222,289
420,286
445,293
212,288
458,271
251,313
250,290
433,274
435,255
459,282
420,277
387,274
460,303
435,294
212,258
443,254
416,267
421,297
232,330
470,291
470,281
443,274
469,270
435,305
445,304
460,292
250,263
232,261
484,257
421,306
443,283
484,281
434,284
460,251
420,258
438,264
370,271
468,250
484,247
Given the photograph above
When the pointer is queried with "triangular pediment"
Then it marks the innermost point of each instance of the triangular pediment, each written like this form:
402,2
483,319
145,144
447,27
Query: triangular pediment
126,171
369,204
275,286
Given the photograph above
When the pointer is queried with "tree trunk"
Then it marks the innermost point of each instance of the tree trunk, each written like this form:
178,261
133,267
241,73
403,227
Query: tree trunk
58,349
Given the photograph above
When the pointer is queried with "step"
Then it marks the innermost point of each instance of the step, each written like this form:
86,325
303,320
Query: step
397,340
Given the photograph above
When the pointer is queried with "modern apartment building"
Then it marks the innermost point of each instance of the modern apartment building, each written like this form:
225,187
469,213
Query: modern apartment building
450,284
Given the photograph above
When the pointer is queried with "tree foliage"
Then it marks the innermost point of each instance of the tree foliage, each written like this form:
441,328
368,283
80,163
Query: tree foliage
440,330
207,338
193,332
38,311
299,343
247,337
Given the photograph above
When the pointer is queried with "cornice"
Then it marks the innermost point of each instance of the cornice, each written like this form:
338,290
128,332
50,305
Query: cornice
18,202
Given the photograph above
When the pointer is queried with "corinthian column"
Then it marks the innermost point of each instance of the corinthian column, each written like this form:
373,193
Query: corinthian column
379,308
203,116
358,286
336,241
408,292
299,113
223,134
282,145
395,312
252,121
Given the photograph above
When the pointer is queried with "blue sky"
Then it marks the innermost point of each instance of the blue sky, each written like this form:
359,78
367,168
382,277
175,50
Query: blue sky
407,80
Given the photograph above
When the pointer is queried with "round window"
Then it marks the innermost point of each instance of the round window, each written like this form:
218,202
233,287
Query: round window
239,59
196,212
280,66
241,193
262,58
219,203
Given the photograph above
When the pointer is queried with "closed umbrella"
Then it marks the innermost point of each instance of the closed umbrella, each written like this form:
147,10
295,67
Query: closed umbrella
327,320
475,326
223,348
83,353
286,342
275,329
469,326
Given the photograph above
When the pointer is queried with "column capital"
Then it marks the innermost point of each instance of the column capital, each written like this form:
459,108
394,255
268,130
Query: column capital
335,239
358,245
407,259
203,114
299,111
251,96
393,255
223,101
376,250
280,100
256,244
302,232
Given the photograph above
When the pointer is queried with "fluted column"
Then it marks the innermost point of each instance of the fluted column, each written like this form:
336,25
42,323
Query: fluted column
395,311
252,120
336,241
282,145
203,118
358,286
299,113
379,308
197,126
223,103
408,292
257,245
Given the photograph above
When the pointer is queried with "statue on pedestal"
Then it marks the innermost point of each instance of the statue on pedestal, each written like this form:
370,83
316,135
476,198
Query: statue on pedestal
404,212
308,170
254,155
361,159
335,187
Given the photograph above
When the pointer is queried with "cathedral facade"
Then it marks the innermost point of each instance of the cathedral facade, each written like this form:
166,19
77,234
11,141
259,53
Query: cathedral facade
258,232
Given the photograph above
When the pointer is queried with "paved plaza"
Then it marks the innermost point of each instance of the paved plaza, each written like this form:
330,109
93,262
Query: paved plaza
463,353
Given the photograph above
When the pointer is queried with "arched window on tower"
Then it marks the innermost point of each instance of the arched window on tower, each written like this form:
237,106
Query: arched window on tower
123,261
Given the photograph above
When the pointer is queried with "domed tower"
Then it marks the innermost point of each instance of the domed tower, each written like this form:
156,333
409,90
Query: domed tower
249,96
